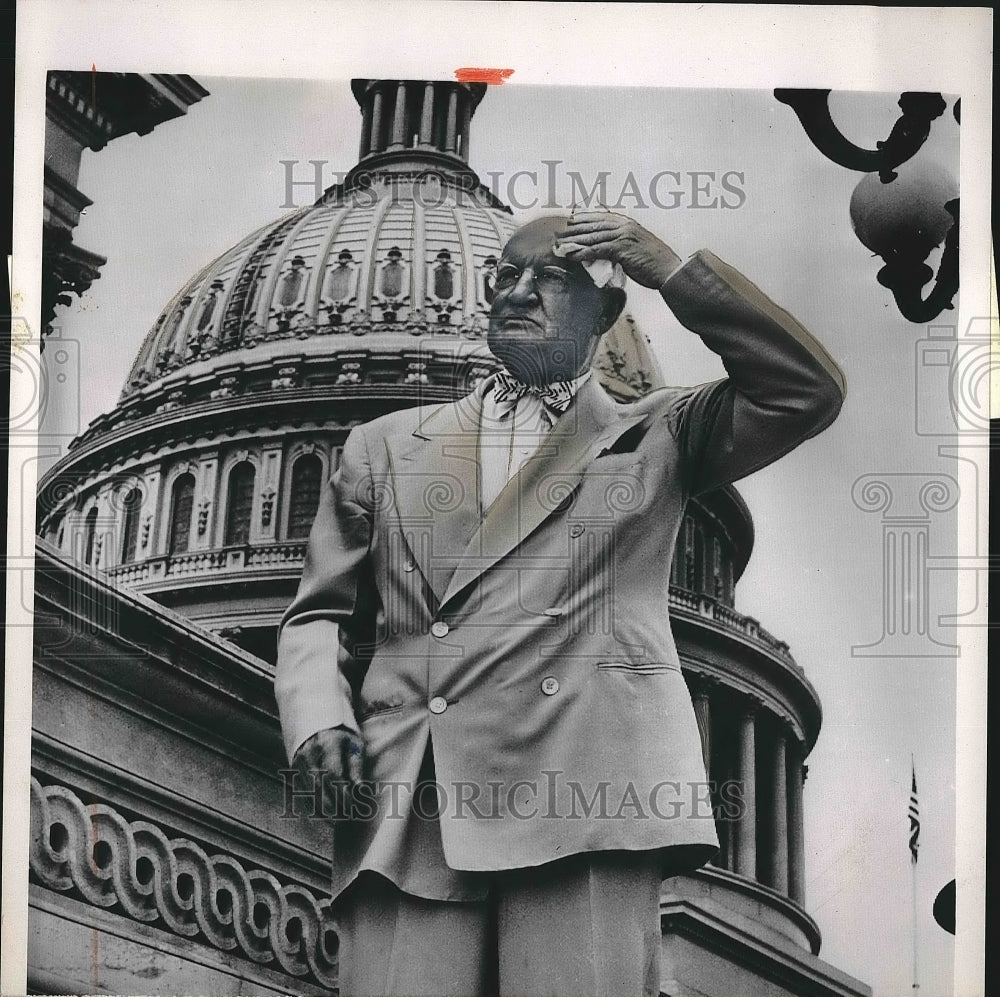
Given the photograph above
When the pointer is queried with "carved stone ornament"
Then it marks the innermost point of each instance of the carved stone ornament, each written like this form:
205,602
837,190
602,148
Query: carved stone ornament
266,507
173,884
203,510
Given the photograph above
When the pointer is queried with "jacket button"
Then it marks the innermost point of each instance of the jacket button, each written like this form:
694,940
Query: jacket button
576,530
409,566
439,628
550,685
438,704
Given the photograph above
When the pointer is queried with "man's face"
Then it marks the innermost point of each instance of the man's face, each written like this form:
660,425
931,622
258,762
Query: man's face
547,313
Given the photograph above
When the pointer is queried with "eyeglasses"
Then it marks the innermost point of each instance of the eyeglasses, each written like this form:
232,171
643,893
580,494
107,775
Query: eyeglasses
549,278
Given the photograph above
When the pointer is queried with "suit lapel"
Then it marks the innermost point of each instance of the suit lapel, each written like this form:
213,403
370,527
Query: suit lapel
435,485
549,476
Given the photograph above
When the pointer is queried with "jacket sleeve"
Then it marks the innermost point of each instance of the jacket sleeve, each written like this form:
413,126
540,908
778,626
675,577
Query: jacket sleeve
311,688
782,388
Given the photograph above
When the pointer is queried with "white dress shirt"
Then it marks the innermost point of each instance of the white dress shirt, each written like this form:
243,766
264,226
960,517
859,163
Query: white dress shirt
509,435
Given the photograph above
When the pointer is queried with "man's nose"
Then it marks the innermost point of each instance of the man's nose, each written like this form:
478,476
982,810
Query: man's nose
524,290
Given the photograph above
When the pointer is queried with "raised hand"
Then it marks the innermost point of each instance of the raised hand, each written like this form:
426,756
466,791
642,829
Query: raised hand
604,235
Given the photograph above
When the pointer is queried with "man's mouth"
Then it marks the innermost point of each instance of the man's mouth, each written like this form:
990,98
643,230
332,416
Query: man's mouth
519,320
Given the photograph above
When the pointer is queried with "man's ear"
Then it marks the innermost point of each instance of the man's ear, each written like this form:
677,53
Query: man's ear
612,305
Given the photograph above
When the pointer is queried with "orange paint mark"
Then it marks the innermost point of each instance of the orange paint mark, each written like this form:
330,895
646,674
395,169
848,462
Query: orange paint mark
494,77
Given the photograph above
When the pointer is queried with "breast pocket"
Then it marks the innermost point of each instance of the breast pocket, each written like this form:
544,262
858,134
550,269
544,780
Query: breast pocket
615,485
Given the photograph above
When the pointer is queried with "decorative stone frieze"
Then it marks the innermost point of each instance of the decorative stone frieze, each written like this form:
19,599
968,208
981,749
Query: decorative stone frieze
135,868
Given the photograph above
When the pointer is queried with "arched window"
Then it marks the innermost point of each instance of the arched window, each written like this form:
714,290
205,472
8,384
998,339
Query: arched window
181,504
130,531
239,503
307,477
90,536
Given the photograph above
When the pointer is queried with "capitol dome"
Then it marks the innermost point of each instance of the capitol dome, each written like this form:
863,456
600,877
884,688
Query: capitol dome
199,487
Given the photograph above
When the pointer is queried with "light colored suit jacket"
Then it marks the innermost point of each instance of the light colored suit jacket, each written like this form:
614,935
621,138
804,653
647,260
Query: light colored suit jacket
532,647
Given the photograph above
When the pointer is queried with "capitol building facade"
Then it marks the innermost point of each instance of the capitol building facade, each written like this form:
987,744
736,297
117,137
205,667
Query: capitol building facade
171,538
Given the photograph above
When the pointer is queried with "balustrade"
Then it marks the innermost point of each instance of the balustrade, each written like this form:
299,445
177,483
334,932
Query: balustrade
203,562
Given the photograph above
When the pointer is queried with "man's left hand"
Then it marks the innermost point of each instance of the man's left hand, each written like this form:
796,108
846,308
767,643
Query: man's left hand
604,235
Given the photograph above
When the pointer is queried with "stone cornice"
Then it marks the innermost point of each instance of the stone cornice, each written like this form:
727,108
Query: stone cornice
98,107
156,652
794,970
761,894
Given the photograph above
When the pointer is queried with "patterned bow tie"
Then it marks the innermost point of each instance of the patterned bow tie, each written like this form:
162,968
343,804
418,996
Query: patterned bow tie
555,397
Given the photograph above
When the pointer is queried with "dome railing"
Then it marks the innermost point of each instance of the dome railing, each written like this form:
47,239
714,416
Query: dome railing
156,570
705,607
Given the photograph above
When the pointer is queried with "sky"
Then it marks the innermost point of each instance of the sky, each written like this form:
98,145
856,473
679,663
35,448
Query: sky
170,202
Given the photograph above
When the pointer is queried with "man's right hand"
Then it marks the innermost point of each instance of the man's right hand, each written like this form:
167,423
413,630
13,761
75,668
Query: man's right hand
337,753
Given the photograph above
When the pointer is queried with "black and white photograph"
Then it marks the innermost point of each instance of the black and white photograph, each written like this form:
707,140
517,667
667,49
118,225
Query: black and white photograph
498,500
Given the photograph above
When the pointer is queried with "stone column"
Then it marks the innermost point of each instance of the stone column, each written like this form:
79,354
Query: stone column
366,129
703,714
377,102
465,123
427,116
779,815
746,829
796,841
452,122
702,687
399,117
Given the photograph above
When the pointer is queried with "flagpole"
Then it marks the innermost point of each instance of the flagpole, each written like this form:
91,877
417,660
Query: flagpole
916,981
914,814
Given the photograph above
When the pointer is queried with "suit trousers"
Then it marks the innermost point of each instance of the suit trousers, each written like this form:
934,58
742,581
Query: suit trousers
585,925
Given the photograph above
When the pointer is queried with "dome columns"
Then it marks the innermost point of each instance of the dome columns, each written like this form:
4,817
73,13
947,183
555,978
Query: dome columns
754,758
451,126
399,122
779,814
746,776
422,115
796,841
427,115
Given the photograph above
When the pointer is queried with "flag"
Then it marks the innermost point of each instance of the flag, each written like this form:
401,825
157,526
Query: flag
914,819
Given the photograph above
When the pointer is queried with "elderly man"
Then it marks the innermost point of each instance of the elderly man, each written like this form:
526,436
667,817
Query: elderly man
480,647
